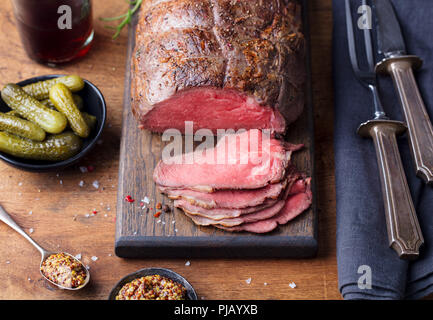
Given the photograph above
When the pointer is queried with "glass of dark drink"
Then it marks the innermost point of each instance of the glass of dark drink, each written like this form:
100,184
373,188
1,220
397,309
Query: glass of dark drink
54,31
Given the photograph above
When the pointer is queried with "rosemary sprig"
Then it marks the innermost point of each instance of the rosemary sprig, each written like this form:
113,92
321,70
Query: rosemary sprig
126,17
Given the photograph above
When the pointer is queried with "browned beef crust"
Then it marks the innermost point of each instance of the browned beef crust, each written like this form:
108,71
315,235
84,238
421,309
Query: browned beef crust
254,46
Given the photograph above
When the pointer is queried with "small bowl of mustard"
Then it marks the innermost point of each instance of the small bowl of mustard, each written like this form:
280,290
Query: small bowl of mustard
153,284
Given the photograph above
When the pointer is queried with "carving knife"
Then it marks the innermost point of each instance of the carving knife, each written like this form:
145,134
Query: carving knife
398,64
404,232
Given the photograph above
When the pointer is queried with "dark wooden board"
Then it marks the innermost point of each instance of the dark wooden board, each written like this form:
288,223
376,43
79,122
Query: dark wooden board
139,235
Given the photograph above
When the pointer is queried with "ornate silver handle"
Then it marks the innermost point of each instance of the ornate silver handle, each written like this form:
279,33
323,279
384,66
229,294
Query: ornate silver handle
420,128
404,232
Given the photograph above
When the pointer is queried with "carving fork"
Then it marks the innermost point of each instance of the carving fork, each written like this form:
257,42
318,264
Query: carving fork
404,232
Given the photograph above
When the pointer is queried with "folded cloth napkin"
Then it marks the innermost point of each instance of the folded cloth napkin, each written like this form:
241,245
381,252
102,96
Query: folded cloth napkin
362,242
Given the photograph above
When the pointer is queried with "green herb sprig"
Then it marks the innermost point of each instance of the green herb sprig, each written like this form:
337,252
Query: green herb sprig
126,17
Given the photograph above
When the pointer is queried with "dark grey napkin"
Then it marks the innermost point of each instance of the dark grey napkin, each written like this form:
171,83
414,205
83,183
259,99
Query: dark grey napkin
361,230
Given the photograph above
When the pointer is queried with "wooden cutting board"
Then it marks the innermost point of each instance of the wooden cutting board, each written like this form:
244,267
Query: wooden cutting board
173,235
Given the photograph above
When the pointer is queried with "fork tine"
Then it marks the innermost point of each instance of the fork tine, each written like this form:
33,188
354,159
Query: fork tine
351,38
368,44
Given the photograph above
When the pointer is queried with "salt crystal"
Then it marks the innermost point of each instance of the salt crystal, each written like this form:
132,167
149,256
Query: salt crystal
173,222
105,215
78,256
7,262
81,183
188,263
87,215
292,285
83,169
146,200
248,281
159,221
20,184
109,254
61,181
175,230
94,258
30,213
31,230
95,184
29,279
265,284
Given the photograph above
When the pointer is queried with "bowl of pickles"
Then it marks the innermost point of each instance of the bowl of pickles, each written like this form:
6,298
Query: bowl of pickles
49,122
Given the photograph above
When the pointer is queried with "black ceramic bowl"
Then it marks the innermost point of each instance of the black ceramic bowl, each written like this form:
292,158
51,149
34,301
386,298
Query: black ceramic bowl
190,292
94,104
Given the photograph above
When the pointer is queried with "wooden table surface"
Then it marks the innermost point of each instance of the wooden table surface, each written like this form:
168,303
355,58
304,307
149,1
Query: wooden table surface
59,206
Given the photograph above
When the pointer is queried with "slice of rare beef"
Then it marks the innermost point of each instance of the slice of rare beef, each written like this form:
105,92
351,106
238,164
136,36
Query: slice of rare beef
221,213
232,217
247,160
246,218
232,199
299,201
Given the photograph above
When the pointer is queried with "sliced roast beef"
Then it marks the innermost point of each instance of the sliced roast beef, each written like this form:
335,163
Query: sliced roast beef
220,63
246,218
247,160
234,199
299,201
231,217
221,213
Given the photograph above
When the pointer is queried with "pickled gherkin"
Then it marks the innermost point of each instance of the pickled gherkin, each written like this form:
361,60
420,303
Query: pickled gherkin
41,90
90,120
56,147
21,127
13,113
77,99
62,99
31,109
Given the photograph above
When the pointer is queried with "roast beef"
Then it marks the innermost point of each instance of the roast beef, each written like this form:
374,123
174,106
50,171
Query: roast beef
205,217
219,63
246,218
299,201
221,213
248,160
234,199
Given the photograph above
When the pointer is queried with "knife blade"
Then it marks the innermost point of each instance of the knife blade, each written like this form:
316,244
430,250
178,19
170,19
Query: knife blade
398,64
390,40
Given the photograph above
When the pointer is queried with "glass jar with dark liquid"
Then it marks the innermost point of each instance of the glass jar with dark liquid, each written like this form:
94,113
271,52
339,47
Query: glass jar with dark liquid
54,31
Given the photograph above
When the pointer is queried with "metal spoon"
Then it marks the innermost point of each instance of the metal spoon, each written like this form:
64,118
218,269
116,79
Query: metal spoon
6,218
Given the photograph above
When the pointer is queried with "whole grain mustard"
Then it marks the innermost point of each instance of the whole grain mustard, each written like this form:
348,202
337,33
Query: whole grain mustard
64,270
152,287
